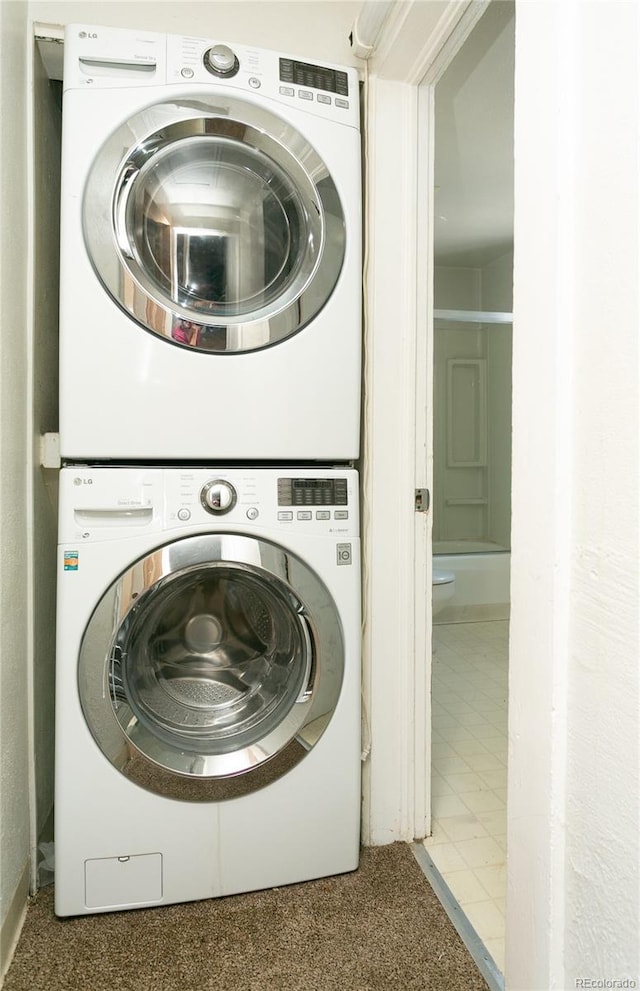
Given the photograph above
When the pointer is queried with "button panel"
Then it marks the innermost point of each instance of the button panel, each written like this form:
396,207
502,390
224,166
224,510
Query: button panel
313,503
312,492
314,76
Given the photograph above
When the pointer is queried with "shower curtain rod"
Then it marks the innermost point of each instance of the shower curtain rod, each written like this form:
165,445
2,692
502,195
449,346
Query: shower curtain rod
473,316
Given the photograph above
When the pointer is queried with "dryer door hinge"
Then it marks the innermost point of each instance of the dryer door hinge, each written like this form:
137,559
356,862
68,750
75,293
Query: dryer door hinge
423,500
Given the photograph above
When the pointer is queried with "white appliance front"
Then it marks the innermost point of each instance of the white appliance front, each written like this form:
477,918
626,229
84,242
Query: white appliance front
210,252
208,682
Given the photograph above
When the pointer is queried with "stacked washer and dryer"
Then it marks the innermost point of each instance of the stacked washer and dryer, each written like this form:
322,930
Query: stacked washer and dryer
208,636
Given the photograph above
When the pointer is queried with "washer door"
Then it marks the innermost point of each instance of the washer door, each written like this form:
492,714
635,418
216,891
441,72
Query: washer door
219,229
211,667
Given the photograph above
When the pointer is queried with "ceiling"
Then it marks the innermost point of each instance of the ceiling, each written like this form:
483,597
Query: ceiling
474,145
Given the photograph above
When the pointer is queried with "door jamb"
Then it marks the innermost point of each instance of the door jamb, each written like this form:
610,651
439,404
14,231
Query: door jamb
417,44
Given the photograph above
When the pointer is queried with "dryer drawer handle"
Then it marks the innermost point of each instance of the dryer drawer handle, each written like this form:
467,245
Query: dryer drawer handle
111,65
122,515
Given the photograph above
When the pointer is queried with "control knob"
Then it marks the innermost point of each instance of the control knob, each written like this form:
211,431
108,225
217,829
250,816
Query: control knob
218,497
221,61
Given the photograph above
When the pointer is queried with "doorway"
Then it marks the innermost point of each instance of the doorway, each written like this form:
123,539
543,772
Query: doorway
471,388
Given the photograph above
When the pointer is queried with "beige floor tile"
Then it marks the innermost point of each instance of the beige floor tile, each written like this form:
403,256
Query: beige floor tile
469,781
483,801
494,779
486,918
472,747
468,846
448,805
438,833
450,765
495,822
484,761
493,879
480,852
465,887
446,857
440,787
495,947
464,827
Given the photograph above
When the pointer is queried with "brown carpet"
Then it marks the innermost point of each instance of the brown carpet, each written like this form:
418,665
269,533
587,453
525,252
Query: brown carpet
378,929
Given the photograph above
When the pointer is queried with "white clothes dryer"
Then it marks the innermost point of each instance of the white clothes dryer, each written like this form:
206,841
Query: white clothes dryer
208,682
210,252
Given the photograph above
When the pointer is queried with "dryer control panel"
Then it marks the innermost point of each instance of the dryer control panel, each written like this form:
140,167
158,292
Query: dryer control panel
112,58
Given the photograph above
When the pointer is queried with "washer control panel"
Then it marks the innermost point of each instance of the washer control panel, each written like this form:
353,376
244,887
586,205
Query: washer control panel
305,501
102,503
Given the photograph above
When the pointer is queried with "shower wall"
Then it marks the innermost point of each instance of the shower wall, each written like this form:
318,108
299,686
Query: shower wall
472,400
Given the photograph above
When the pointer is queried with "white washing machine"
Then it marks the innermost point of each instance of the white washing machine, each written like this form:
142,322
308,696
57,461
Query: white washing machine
210,276
208,682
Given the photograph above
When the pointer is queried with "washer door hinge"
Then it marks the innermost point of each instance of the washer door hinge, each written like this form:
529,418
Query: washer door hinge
423,500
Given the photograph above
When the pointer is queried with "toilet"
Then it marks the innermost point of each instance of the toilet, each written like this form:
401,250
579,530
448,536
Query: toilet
444,588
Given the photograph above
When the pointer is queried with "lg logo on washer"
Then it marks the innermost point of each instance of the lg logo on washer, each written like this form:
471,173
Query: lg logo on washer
83,481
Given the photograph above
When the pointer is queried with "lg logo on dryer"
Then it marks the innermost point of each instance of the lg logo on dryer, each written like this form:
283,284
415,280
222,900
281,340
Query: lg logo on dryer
82,481
87,34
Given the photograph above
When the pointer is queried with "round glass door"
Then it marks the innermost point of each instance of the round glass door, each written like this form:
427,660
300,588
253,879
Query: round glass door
203,674
220,229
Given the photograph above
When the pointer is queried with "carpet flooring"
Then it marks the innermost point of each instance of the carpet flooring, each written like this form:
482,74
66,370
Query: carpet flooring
380,928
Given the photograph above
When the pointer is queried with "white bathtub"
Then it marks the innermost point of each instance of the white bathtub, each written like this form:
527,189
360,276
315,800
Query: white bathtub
482,583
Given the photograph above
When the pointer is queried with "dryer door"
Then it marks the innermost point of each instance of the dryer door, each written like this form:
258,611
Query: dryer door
219,228
211,667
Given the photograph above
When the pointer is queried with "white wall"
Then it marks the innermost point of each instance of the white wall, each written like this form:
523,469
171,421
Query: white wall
573,831
317,29
14,573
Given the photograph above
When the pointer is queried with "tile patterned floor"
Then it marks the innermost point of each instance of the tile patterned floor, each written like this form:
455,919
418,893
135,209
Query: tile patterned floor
469,772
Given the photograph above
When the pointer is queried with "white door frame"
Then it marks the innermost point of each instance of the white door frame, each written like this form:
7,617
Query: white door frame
418,42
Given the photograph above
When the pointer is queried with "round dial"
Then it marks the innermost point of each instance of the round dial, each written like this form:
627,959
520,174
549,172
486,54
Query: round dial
221,61
218,497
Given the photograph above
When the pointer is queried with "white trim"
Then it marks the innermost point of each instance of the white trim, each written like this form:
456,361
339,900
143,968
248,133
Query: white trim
367,27
389,455
423,466
417,42
31,461
13,922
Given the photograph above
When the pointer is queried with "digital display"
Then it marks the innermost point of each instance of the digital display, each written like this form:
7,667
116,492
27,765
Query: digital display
314,76
312,492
